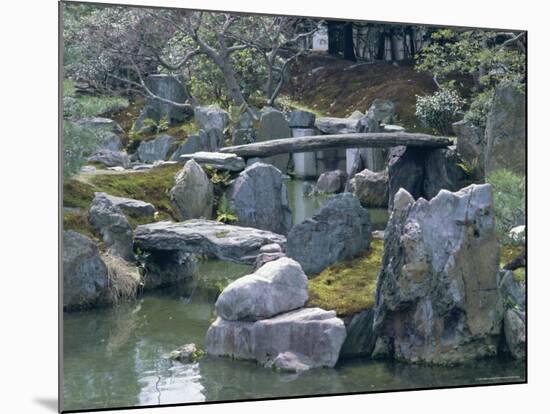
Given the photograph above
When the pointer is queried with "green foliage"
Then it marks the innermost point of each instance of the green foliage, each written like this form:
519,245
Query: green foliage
480,107
509,202
224,212
78,142
479,54
88,106
349,286
438,111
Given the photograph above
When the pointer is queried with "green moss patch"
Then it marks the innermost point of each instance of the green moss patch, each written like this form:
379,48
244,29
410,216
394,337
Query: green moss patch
78,222
152,186
509,252
348,286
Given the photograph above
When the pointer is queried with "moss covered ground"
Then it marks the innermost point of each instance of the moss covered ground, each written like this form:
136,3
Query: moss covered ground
152,186
348,286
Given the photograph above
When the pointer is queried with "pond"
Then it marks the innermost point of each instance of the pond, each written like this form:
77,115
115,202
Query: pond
115,357
304,207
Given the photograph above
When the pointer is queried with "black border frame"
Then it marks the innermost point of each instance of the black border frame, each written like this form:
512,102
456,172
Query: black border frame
60,215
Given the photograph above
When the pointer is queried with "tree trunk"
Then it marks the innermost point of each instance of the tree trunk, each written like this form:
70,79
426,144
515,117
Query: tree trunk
333,29
349,52
381,52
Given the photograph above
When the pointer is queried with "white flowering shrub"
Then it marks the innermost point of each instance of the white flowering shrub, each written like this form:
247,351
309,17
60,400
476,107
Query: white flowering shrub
440,110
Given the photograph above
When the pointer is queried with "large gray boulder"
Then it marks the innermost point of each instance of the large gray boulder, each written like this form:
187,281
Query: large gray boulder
360,338
85,278
273,125
331,182
167,87
112,225
259,198
437,298
405,170
132,206
155,149
223,241
100,125
338,230
210,117
218,160
371,188
331,125
514,332
301,119
110,158
276,287
193,193
312,332
505,133
442,171
167,268
470,144
206,140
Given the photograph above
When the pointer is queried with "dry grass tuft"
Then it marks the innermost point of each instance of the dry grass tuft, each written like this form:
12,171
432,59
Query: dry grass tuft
124,278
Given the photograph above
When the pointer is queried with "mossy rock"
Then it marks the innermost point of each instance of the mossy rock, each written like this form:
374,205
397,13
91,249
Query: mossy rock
349,286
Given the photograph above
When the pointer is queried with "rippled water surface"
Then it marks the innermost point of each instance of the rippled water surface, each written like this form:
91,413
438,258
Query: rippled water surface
115,357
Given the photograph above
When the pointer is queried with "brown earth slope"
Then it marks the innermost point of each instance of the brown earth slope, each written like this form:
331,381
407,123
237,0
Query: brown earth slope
335,87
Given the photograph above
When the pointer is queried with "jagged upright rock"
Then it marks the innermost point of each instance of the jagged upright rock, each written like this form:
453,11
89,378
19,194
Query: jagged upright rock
505,133
107,218
437,297
259,198
210,117
193,193
338,230
273,125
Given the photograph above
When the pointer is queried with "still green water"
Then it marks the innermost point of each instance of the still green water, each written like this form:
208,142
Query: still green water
115,357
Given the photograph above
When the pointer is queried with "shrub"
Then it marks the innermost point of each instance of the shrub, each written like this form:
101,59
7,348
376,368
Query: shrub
509,202
77,143
440,110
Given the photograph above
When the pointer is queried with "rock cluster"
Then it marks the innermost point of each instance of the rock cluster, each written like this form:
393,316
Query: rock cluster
259,318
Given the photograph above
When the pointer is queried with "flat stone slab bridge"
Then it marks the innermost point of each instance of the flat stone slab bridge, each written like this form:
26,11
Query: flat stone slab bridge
320,142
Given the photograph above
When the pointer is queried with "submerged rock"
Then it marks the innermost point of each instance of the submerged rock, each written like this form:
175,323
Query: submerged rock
167,268
259,199
437,297
193,193
276,287
224,241
338,230
290,362
185,354
361,338
85,276
107,218
313,332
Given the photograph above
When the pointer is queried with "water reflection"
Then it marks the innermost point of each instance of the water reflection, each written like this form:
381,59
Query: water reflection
117,357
